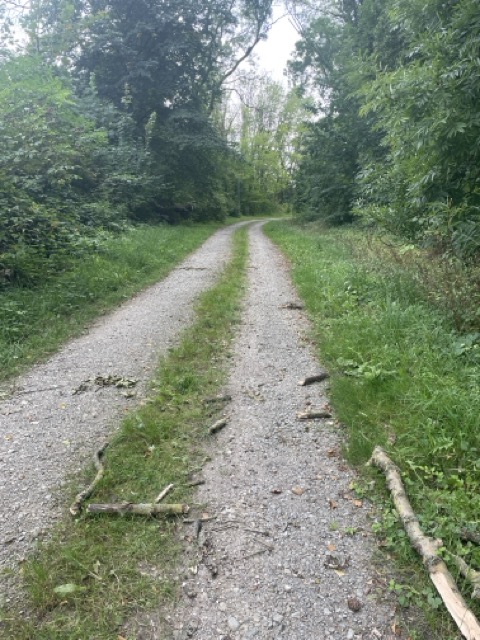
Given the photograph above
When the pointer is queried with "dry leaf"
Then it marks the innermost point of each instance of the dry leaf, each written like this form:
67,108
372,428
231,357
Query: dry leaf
358,503
331,547
331,453
298,491
339,572
276,491
333,504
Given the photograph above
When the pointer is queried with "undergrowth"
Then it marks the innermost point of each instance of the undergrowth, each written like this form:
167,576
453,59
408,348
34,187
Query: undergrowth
34,321
403,377
96,572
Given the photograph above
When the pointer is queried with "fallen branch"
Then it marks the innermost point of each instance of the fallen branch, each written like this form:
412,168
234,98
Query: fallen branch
469,574
147,509
427,548
163,493
217,426
86,493
318,377
313,414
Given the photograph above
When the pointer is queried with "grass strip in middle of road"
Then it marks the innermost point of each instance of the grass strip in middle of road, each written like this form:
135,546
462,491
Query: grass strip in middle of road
99,571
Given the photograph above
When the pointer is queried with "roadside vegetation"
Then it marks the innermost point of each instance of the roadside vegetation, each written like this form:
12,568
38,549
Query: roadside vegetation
35,320
97,571
404,362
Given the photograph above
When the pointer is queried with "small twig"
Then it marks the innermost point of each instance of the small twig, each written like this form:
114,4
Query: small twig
163,493
292,306
27,391
218,425
195,483
313,414
255,553
318,377
193,520
86,493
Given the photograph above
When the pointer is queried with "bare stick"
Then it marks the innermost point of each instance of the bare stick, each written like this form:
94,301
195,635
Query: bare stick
218,425
318,377
313,414
147,509
427,548
470,574
163,493
86,493
196,483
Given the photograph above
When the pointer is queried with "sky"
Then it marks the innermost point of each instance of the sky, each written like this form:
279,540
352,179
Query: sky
274,52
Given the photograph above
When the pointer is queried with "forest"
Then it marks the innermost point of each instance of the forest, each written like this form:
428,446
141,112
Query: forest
130,112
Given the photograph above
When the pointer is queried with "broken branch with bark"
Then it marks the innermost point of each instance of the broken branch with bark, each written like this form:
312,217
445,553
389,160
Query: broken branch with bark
86,493
147,509
427,548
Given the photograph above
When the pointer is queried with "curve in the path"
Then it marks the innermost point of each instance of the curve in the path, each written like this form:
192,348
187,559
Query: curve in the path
47,432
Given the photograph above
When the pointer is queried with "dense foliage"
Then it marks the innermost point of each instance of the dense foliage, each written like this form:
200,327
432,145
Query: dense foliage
108,115
397,137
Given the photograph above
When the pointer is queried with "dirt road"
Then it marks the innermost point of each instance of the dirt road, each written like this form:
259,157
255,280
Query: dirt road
289,553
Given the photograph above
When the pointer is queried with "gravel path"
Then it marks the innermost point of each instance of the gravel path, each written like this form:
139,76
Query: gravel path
47,432
289,555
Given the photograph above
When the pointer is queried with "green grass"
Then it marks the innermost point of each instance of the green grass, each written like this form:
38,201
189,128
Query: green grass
403,378
34,322
122,565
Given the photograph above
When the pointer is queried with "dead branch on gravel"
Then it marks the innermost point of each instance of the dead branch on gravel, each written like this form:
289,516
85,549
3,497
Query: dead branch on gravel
469,574
147,509
313,414
86,493
427,548
294,306
218,425
318,377
163,493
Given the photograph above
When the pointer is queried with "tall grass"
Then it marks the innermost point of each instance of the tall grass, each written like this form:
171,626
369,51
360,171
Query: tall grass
402,377
35,321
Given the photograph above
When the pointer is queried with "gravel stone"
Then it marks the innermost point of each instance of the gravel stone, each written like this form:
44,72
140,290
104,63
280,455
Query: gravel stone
46,432
263,532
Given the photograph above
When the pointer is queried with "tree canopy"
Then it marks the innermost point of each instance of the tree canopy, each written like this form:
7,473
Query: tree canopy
397,94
